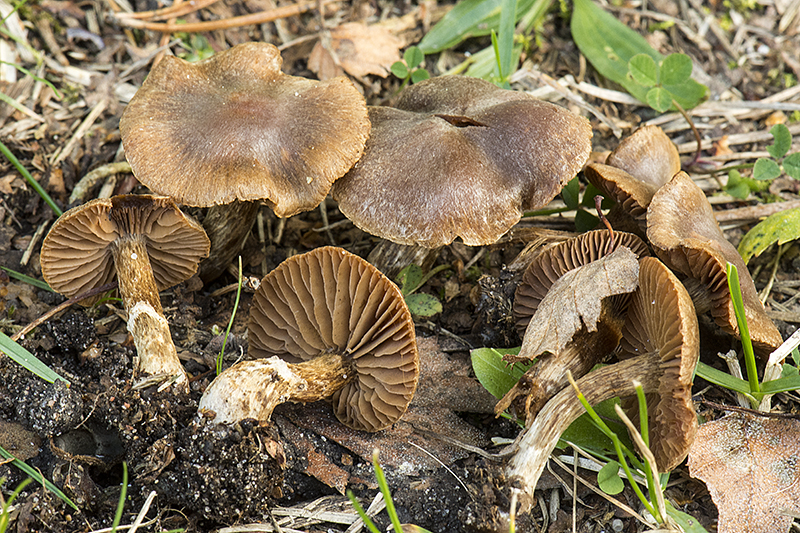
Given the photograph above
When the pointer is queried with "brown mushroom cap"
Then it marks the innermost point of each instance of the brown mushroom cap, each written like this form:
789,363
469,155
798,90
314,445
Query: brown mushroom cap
77,252
685,235
648,155
661,319
331,301
234,127
635,170
460,157
557,260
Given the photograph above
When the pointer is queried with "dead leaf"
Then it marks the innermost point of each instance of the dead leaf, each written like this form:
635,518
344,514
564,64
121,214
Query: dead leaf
7,184
751,465
359,49
721,147
574,301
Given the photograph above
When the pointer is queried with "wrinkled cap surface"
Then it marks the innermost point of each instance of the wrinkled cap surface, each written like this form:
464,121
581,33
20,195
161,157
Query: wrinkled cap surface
555,261
685,235
661,319
460,157
329,300
77,252
234,127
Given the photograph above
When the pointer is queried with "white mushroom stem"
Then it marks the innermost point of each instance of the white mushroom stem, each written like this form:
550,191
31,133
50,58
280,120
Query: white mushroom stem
539,440
252,389
146,322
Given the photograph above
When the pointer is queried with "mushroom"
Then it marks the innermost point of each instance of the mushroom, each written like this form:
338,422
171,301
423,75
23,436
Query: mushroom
685,235
661,339
589,345
324,324
148,245
234,128
460,157
634,171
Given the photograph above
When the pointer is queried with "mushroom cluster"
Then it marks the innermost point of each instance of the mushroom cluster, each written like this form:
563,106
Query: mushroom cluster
653,330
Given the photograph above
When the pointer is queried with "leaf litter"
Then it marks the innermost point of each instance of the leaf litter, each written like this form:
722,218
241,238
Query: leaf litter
751,465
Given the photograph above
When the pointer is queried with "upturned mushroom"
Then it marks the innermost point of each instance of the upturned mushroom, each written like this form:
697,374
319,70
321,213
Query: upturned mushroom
234,128
144,242
661,341
589,345
459,157
324,324
685,235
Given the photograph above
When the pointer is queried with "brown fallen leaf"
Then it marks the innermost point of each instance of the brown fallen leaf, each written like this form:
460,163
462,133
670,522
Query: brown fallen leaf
751,465
574,302
357,48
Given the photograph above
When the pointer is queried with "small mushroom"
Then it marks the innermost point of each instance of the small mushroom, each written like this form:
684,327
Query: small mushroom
589,346
324,324
633,172
661,331
459,157
685,235
234,128
144,242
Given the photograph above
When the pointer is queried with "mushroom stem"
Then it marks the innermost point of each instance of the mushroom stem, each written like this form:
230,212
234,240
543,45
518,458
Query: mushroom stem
549,374
227,227
146,322
541,437
252,389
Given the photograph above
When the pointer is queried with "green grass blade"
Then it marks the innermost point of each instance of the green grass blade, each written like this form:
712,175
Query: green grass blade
362,514
230,322
123,494
37,476
27,279
744,331
387,495
32,182
723,379
786,384
27,359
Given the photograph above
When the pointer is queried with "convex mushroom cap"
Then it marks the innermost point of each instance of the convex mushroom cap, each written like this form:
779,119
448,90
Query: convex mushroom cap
460,157
144,242
345,332
234,127
685,235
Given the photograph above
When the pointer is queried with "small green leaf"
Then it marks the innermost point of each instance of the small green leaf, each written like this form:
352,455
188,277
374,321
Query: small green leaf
783,141
399,69
608,478
766,169
676,69
409,279
413,57
423,305
644,70
570,193
659,99
687,94
791,165
419,75
496,375
687,522
778,228
740,190
585,221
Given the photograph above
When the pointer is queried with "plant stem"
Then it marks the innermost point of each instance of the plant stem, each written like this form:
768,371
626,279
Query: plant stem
696,133
32,182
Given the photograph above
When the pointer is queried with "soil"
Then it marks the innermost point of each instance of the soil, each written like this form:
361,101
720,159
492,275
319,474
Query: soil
291,474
